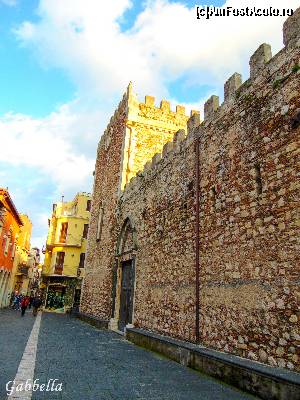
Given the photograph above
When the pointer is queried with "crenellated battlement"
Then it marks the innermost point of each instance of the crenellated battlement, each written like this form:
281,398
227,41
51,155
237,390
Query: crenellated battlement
165,106
291,30
154,132
238,95
262,66
148,128
231,86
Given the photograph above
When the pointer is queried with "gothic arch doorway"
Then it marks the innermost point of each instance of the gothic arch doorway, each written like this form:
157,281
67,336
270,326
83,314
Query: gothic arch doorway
124,277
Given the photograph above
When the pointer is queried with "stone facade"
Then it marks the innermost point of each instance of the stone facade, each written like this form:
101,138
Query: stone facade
249,215
135,133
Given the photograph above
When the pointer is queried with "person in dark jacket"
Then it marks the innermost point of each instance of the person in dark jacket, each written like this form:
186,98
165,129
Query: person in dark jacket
24,305
31,298
37,302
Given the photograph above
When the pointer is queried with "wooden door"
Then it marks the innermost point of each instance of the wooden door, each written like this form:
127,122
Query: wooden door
126,297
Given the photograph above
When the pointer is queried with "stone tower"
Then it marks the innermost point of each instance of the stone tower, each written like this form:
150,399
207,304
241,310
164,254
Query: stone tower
135,133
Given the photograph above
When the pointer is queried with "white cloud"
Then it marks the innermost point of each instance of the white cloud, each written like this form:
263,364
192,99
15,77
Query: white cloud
45,144
166,41
26,31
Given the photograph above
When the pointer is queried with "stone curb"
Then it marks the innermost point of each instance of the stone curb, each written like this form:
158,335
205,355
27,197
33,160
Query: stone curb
90,319
261,380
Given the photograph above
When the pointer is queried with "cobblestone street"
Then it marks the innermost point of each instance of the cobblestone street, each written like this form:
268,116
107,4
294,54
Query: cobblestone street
94,364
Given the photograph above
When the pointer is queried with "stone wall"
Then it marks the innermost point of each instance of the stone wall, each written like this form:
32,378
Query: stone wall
96,298
159,203
249,218
135,133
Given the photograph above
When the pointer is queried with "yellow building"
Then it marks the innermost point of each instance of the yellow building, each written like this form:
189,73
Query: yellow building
21,277
65,252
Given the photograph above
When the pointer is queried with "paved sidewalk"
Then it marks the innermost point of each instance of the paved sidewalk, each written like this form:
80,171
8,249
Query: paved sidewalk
14,333
101,365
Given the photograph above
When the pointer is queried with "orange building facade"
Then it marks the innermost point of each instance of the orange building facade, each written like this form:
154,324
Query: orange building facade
10,224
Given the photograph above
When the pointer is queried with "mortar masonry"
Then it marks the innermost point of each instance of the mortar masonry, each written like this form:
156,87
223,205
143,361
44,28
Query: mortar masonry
144,207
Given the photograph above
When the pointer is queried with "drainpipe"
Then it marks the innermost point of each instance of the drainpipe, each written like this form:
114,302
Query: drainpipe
197,237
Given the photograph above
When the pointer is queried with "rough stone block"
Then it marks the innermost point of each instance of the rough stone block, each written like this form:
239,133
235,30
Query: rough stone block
231,86
133,180
156,158
165,105
193,121
180,110
168,147
261,56
179,136
150,101
147,166
291,29
211,105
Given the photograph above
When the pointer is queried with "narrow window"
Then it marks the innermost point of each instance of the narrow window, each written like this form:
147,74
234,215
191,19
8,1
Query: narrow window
213,194
14,250
258,179
82,258
63,232
7,243
100,223
59,264
88,205
85,231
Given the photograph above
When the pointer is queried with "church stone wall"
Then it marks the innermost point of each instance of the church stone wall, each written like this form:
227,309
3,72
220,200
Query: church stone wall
249,219
160,204
250,214
96,293
135,133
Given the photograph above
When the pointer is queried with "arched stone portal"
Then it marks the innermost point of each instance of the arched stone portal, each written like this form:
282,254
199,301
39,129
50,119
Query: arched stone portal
124,278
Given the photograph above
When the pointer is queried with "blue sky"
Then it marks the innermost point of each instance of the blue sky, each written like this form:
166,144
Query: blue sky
22,78
65,64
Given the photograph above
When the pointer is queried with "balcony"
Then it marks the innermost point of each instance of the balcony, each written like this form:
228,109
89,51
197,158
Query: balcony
23,269
49,246
58,269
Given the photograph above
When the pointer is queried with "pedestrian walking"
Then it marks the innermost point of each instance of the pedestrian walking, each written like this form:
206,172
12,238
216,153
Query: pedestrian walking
14,302
31,301
24,305
18,302
11,302
37,302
